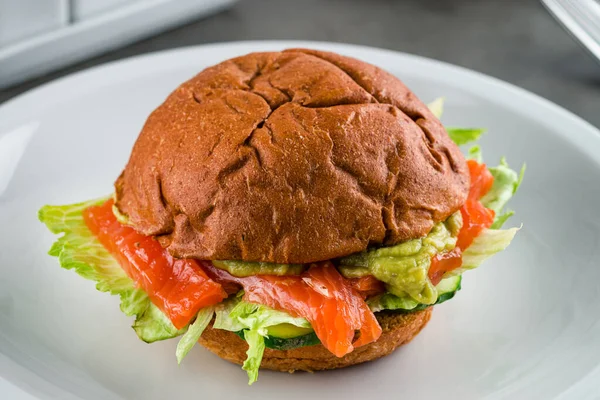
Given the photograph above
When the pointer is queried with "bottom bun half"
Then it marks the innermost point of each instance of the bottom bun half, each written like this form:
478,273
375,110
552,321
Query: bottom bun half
398,329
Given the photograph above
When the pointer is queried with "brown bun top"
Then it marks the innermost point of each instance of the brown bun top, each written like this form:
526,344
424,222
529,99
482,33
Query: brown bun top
290,157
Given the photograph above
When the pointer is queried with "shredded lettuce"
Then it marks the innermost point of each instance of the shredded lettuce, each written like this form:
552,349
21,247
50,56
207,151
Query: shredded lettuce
474,153
254,355
488,243
462,136
437,107
506,183
153,325
506,180
254,320
79,250
191,337
500,219
459,136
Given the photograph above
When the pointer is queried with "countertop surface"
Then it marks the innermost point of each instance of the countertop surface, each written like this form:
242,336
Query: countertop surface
514,40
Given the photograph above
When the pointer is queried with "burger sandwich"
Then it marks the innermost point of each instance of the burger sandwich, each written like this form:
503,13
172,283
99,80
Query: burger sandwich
294,210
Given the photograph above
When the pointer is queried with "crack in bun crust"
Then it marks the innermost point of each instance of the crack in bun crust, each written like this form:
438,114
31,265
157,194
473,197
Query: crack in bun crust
398,329
290,157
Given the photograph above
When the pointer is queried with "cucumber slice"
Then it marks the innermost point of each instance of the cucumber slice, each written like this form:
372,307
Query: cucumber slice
447,288
448,285
309,339
275,343
287,331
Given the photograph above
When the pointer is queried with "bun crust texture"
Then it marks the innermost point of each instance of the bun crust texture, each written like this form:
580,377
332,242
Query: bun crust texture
290,157
398,329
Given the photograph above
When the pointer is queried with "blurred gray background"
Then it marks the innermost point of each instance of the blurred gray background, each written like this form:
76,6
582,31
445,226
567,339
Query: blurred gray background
514,40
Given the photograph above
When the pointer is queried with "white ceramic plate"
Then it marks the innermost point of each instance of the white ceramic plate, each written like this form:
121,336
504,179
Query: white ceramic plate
525,326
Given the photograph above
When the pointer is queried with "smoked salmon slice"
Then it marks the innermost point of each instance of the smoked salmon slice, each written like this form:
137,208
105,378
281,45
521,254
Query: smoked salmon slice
335,310
179,288
476,217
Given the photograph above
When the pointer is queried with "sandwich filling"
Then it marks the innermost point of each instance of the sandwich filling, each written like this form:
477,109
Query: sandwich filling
284,306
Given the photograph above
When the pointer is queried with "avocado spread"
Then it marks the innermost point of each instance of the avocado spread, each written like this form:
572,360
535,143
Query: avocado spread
404,267
244,268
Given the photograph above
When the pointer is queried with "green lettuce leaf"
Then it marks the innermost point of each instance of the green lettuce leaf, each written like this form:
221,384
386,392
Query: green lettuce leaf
500,219
462,136
254,355
191,337
134,302
153,325
254,320
506,180
459,136
79,250
488,243
475,154
437,107
506,183
223,320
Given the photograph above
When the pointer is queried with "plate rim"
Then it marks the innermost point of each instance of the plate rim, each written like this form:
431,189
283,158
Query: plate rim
342,47
555,114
